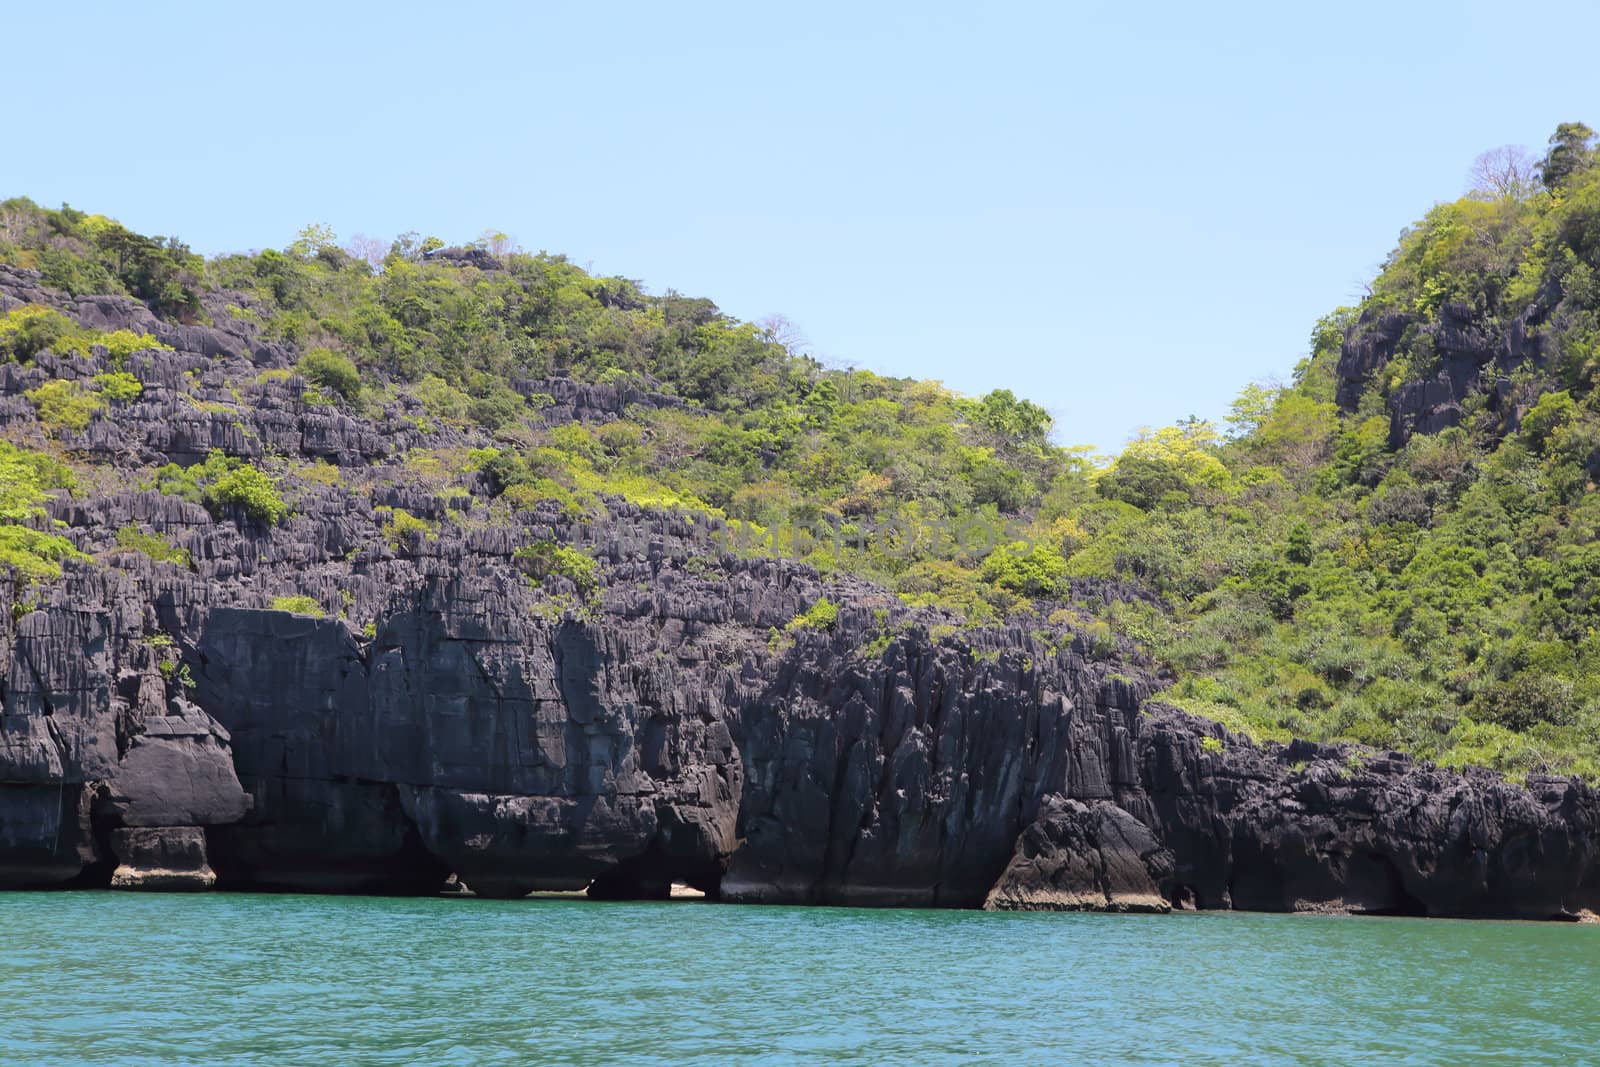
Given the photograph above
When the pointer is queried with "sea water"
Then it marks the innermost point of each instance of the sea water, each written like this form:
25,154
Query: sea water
117,978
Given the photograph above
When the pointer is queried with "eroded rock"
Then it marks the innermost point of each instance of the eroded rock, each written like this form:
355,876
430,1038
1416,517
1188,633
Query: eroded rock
1081,857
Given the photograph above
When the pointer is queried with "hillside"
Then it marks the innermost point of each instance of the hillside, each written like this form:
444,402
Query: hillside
1393,549
343,572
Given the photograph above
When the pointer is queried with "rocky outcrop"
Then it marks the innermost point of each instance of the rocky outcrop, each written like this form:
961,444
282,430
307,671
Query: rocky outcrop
166,859
657,743
451,715
1078,857
1334,828
1452,357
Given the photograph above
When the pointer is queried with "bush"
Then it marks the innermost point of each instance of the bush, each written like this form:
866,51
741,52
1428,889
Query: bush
1036,571
331,371
24,478
250,490
222,482
153,545
299,605
502,470
544,559
820,616
32,329
29,330
402,526
64,405
498,406
525,496
441,399
1553,411
120,344
36,556
119,386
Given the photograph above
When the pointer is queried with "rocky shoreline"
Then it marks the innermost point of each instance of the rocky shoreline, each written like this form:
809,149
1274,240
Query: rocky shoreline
164,728
975,771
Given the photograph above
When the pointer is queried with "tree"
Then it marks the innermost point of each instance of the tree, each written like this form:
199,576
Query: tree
311,240
1251,408
778,330
249,489
1509,172
369,249
1011,420
1571,150
332,371
496,242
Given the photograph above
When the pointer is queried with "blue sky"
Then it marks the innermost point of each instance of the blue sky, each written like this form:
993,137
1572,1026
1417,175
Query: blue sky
1125,212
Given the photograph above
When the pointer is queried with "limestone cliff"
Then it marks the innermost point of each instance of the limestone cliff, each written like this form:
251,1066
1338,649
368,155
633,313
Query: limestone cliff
164,727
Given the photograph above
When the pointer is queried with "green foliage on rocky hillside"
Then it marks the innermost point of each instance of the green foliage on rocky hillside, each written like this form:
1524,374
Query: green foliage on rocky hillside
1349,557
298,604
31,329
26,477
133,539
222,483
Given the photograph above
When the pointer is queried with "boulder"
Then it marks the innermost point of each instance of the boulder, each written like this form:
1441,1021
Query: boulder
1083,857
166,858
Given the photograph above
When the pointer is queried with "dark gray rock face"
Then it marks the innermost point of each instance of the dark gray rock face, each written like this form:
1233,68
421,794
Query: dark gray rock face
1456,355
450,716
519,756
1079,857
1312,827
94,736
906,780
165,858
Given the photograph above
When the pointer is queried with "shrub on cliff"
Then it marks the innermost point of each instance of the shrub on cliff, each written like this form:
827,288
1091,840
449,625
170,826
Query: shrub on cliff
544,559
31,329
1031,570
820,616
298,604
252,491
222,483
25,479
401,528
134,539
65,405
118,386
332,371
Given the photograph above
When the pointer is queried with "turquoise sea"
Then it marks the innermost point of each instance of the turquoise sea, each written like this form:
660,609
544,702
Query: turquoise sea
113,978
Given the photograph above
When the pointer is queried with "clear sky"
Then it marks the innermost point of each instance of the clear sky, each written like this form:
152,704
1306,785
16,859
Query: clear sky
1123,211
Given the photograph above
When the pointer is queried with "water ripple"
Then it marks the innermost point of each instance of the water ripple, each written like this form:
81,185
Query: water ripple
106,978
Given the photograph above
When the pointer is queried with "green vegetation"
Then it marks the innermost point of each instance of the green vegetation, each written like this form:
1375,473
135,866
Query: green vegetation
1310,568
118,386
135,539
65,405
223,483
25,480
299,605
332,371
819,616
29,330
251,491
1327,578
401,527
545,558
82,253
